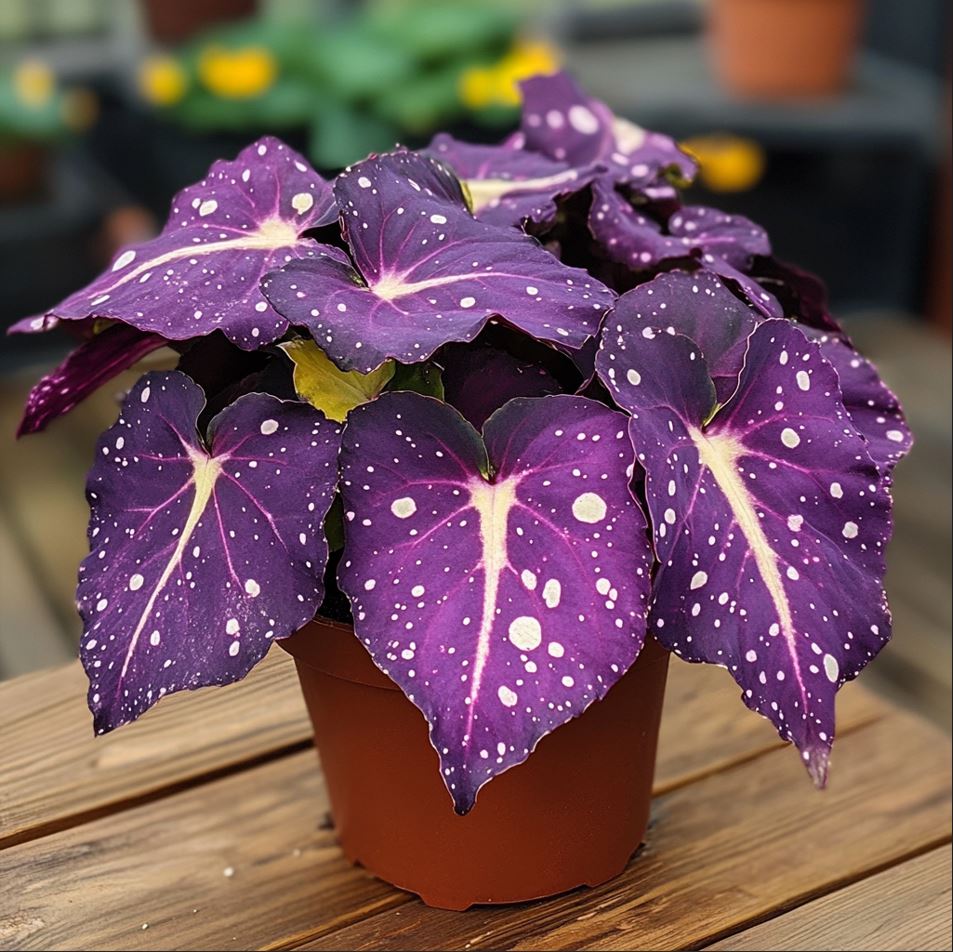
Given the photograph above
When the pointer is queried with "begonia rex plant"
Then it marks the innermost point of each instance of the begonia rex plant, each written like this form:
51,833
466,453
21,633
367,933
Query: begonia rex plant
534,407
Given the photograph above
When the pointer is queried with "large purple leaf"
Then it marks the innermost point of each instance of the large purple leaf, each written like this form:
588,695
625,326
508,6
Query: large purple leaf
770,520
84,370
427,273
874,409
699,306
202,273
508,185
726,244
562,122
199,556
502,584
802,295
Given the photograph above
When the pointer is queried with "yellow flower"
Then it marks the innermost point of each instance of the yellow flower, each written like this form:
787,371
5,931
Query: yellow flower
727,163
498,84
237,74
477,87
162,81
34,83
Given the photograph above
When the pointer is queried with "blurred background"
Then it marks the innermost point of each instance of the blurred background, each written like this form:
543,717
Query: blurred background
827,121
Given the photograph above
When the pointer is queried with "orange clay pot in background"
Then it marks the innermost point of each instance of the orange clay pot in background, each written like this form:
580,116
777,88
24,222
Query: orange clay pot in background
571,815
784,48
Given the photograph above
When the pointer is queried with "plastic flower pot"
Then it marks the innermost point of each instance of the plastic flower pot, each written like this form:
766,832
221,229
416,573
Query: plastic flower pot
571,815
784,48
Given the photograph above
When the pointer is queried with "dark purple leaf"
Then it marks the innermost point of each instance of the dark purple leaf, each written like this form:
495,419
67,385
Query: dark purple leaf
479,379
562,122
502,604
86,369
770,520
874,409
202,273
427,273
802,295
698,306
723,243
199,557
507,185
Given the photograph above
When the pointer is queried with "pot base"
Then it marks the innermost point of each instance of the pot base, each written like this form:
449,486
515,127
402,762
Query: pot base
572,815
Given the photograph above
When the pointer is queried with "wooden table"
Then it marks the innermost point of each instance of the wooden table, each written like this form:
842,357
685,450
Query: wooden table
205,826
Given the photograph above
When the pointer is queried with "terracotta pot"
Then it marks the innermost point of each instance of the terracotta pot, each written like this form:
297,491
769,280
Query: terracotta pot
571,815
784,48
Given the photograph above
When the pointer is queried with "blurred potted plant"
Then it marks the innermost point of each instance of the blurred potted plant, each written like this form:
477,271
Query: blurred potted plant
34,113
457,476
784,48
349,85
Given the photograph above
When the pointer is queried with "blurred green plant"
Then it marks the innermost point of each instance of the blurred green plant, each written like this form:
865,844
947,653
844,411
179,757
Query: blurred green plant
34,109
385,72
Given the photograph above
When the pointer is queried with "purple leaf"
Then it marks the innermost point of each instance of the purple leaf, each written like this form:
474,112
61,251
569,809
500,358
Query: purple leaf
723,243
769,517
479,379
874,409
84,370
427,273
201,274
507,185
562,122
698,306
502,585
199,557
802,295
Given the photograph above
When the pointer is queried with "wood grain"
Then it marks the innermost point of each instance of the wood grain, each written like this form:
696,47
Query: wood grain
230,864
724,852
905,907
56,774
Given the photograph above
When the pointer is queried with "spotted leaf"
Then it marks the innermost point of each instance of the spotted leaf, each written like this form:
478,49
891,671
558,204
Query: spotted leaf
201,274
502,582
874,409
507,185
725,244
334,392
699,306
200,553
427,273
769,517
85,370
562,122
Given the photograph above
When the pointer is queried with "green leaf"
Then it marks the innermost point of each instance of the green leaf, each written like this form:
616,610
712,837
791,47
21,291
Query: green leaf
425,379
334,392
341,135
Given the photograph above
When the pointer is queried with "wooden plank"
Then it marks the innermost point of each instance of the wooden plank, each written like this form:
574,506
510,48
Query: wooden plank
228,865
905,907
56,773
723,853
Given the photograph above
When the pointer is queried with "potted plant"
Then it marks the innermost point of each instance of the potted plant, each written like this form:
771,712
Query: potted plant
784,48
491,478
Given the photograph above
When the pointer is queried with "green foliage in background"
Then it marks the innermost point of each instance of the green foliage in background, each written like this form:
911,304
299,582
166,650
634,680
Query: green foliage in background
359,82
